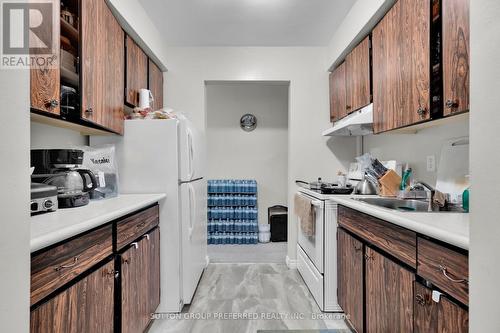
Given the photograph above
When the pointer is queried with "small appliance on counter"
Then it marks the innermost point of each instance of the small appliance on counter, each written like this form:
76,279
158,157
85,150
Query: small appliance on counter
43,198
62,168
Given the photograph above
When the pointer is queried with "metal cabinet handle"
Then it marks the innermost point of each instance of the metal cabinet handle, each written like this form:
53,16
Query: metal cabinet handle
444,270
420,300
52,103
450,104
113,273
75,261
421,111
135,245
146,236
89,111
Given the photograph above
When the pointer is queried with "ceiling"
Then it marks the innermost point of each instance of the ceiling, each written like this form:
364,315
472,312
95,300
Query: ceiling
247,22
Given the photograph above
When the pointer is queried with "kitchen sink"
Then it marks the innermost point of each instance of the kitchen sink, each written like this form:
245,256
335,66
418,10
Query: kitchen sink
408,205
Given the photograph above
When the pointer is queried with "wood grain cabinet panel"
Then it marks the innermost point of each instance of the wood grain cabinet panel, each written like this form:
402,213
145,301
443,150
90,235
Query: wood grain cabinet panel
358,93
133,227
87,306
140,283
53,268
350,278
456,54
338,93
45,81
102,73
137,71
401,66
447,269
396,241
389,295
437,317
156,85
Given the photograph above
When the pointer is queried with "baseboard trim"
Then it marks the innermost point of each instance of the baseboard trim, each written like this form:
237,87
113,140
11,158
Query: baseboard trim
291,263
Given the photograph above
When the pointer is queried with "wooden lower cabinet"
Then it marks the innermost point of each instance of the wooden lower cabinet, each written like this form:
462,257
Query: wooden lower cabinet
350,277
87,306
389,295
140,282
437,317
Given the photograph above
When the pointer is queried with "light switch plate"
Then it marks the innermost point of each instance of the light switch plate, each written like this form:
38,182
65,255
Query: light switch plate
431,163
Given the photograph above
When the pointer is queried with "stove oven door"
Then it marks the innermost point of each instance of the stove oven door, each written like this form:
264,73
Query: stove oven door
313,245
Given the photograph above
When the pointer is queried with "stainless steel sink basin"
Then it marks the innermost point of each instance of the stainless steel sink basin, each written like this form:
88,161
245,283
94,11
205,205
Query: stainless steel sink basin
406,205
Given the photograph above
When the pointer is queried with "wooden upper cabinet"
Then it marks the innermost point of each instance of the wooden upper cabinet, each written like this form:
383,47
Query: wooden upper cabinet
155,84
358,92
350,278
389,296
137,72
102,72
401,66
87,306
45,81
456,53
338,93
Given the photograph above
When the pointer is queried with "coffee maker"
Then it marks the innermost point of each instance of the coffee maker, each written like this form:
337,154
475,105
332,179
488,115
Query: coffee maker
63,168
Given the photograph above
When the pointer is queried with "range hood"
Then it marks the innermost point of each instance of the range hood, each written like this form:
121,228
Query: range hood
358,123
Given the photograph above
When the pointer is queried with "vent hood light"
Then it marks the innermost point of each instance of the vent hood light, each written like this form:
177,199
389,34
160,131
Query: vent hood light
358,123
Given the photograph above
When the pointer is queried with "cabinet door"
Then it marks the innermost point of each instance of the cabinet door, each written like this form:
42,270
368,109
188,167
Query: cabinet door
137,72
401,60
87,306
358,76
45,81
389,296
456,56
441,317
350,278
156,85
338,93
140,282
103,66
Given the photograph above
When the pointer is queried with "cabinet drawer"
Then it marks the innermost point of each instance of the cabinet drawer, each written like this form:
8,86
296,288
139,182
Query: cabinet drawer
54,267
397,241
446,268
135,226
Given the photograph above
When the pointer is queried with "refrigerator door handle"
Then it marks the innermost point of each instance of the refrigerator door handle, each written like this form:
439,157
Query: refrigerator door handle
192,209
191,154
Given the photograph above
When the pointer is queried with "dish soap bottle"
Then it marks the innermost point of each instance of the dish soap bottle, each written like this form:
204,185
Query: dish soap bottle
465,199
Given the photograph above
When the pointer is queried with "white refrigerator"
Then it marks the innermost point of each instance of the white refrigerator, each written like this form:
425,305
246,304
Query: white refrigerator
168,156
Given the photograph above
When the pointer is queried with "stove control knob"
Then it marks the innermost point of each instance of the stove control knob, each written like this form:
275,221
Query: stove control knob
48,204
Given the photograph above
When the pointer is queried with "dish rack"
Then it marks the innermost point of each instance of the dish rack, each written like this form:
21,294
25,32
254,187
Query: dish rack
232,212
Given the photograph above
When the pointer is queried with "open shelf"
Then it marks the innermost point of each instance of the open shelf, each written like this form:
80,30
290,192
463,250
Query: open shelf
69,77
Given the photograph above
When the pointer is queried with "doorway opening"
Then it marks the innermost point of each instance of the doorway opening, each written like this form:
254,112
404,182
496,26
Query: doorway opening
247,144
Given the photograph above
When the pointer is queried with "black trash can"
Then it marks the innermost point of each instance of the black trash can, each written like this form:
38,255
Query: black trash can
278,220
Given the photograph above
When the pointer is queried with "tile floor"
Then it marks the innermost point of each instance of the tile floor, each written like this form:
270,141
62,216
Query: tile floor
271,296
258,253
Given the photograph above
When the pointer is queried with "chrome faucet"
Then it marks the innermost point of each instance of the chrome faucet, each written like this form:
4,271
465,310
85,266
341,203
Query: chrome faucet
429,190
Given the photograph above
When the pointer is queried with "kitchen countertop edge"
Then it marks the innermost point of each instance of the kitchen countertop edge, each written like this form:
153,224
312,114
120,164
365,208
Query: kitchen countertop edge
50,228
409,221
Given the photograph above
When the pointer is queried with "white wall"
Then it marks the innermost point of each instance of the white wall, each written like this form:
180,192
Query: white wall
14,200
47,137
414,148
261,154
485,159
309,154
358,23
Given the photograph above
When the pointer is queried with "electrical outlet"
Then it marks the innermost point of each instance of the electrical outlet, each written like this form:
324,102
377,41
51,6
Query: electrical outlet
431,163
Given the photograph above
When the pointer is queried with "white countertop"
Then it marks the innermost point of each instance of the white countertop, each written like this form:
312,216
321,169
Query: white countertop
53,227
451,228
